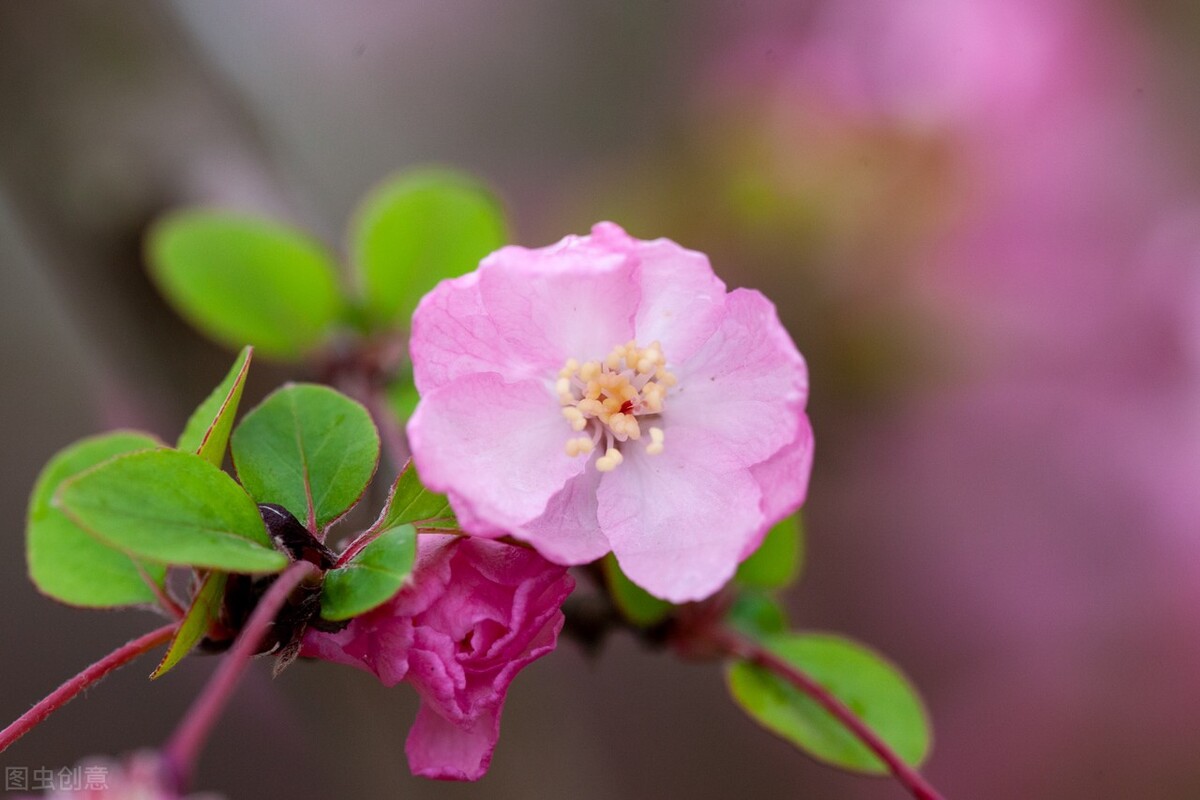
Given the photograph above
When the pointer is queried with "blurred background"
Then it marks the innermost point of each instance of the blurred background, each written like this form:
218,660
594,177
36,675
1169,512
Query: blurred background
980,222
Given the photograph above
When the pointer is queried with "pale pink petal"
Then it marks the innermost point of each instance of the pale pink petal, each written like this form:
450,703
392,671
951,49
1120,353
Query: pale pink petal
575,299
678,522
683,302
453,335
747,385
783,478
495,447
569,531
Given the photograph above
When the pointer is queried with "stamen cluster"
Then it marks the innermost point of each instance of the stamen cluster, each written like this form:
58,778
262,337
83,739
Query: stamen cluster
607,397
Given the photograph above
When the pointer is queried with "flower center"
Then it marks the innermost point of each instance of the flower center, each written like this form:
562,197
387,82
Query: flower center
604,399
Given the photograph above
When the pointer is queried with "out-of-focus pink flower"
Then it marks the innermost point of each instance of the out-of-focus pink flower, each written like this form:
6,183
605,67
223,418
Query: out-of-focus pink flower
143,776
475,613
606,393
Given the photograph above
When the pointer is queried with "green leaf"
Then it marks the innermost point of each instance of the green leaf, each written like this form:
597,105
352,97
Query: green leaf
203,612
173,508
207,431
243,280
370,578
635,603
417,229
777,561
871,687
757,615
309,449
64,561
410,501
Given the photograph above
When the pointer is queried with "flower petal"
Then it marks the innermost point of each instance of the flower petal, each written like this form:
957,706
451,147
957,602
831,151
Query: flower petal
683,302
747,384
453,336
440,749
679,522
569,531
574,299
783,478
497,448
524,312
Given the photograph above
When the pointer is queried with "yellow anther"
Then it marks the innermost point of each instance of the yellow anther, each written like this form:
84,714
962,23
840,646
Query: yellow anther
590,406
580,446
656,442
575,417
624,425
609,461
609,398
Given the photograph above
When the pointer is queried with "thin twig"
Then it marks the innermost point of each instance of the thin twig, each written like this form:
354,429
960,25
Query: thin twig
184,746
69,690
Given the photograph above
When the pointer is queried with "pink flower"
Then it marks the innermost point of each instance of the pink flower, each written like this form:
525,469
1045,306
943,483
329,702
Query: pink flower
142,776
475,613
606,393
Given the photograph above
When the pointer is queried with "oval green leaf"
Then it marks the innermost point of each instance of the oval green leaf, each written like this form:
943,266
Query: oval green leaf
370,578
173,508
64,561
309,449
778,560
207,430
417,229
635,603
410,501
871,687
241,279
203,612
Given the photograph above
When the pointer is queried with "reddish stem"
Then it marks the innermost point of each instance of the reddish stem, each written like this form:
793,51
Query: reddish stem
356,547
184,746
67,692
165,600
741,647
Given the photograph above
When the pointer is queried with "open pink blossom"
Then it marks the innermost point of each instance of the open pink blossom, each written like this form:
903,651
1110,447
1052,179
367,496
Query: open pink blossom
475,612
606,393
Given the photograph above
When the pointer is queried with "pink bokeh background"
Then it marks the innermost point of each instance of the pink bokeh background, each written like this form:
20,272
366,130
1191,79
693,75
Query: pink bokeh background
980,222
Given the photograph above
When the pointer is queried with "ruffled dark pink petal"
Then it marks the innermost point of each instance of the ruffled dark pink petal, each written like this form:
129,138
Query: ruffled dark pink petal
475,613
